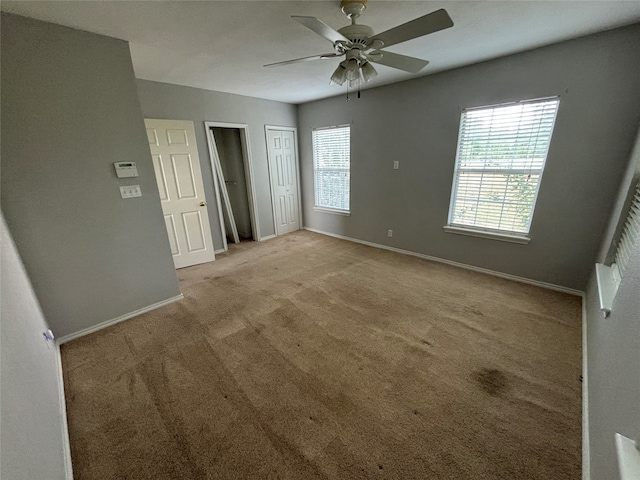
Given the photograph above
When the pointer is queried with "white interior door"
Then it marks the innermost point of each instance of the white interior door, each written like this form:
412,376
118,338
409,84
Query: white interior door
284,179
177,166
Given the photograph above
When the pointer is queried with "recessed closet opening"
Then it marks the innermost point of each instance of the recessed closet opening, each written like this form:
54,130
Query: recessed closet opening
233,180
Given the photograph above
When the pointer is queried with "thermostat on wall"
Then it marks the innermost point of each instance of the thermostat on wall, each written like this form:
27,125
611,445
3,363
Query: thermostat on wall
126,169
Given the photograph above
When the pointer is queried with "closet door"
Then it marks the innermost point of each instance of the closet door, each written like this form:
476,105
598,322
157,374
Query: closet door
283,171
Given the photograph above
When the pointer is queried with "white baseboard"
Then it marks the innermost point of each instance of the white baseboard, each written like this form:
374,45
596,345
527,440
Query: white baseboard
268,237
119,319
219,251
507,276
586,452
68,466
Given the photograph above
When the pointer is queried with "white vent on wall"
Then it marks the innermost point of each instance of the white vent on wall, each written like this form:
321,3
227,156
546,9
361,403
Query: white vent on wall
609,277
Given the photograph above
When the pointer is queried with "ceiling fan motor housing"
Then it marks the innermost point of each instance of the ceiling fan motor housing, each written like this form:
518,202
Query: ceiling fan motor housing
353,8
360,38
357,33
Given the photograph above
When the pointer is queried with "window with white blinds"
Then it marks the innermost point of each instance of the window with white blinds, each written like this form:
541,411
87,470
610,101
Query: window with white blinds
630,235
609,277
331,167
499,163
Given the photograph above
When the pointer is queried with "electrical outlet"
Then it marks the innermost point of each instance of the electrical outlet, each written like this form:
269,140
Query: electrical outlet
130,191
389,233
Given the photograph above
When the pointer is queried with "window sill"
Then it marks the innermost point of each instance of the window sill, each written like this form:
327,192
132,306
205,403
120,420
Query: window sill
503,237
334,211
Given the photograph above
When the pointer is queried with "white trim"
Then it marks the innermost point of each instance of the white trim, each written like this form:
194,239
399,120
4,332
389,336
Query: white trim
333,211
113,321
550,286
271,189
268,237
66,445
471,232
251,184
586,452
299,179
216,189
221,250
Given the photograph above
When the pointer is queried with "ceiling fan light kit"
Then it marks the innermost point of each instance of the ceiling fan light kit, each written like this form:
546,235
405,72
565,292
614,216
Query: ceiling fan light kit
368,72
361,46
340,75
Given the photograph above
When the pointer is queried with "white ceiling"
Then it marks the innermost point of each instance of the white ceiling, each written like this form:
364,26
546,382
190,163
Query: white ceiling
222,45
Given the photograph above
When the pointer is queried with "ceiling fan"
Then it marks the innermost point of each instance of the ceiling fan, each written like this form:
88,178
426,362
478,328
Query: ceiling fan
360,46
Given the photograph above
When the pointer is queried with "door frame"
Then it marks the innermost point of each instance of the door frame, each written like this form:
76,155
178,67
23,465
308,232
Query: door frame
298,179
248,173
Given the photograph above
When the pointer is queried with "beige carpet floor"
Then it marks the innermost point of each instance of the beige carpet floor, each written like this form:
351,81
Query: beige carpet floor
309,357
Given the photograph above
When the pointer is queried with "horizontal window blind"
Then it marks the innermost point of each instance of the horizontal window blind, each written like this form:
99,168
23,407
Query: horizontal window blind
332,166
630,234
499,163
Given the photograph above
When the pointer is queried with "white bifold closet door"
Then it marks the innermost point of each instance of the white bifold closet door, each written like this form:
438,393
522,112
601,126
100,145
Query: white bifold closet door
284,179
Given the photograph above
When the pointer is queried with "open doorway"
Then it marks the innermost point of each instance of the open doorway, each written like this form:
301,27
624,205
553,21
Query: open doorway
233,181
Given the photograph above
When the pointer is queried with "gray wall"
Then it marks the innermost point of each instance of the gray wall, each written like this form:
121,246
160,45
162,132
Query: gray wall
30,410
69,110
416,122
613,349
162,100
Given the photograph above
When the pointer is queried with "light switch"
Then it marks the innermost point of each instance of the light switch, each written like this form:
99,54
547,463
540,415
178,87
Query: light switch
396,164
130,191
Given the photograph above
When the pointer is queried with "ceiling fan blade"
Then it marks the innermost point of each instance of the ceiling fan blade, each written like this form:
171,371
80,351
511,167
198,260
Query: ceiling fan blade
304,59
395,60
430,23
321,29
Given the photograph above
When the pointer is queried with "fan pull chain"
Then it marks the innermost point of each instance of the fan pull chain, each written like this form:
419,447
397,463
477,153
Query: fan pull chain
348,97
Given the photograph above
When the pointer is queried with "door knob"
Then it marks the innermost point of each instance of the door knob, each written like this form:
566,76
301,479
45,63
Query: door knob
202,204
